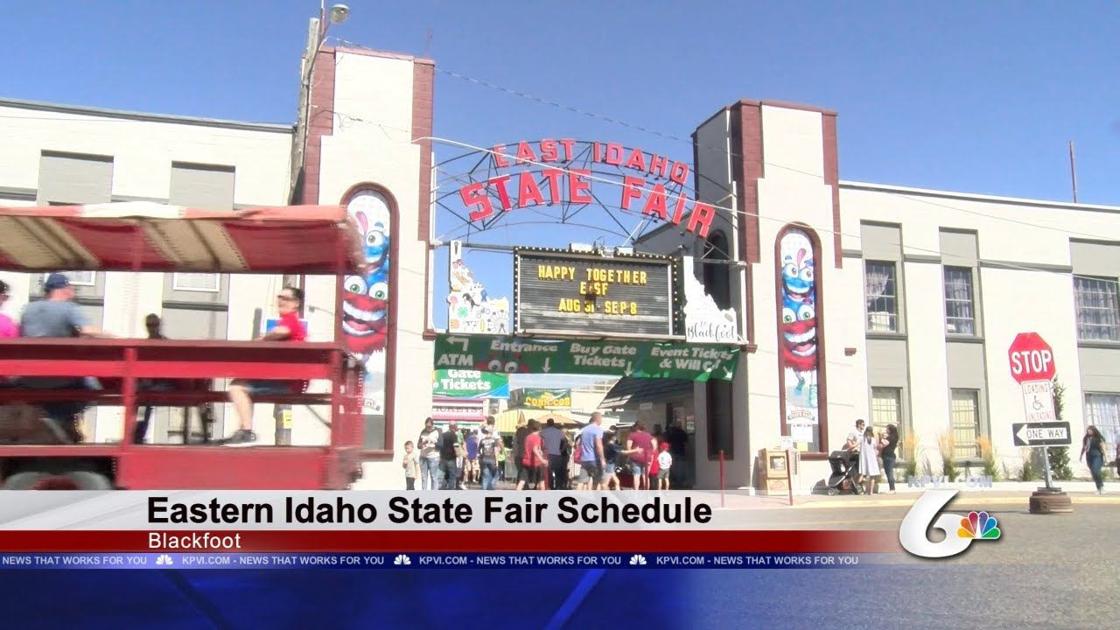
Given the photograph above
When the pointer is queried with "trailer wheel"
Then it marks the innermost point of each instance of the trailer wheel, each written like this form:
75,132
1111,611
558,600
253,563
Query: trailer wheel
23,481
85,480
75,480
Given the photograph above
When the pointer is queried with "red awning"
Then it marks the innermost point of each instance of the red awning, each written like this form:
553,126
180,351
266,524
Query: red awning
144,236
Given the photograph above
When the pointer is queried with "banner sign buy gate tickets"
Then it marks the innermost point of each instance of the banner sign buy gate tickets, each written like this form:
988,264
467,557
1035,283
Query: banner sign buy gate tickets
640,359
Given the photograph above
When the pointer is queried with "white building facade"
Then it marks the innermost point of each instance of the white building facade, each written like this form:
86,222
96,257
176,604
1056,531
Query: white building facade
916,296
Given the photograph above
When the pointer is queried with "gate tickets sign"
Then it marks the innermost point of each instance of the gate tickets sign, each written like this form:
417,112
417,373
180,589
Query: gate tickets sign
639,359
469,384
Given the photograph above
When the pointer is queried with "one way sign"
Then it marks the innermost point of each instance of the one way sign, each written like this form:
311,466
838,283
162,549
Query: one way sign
1041,433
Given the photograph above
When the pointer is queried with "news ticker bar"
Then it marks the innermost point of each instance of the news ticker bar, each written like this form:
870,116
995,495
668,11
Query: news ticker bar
407,561
572,541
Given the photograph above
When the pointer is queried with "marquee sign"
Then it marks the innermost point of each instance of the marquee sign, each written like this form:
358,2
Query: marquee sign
572,174
560,292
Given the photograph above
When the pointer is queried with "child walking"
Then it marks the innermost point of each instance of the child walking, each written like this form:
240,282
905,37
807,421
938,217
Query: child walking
664,463
411,466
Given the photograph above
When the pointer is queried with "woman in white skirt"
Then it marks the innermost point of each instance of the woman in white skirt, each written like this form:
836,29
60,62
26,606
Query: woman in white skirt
869,459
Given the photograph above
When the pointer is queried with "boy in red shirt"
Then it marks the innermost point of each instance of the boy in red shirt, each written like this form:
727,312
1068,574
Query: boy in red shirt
241,391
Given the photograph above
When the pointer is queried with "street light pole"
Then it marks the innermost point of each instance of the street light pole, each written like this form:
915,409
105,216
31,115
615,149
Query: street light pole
316,36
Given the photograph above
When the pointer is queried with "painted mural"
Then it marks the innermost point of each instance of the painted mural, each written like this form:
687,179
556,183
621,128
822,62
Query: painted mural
469,309
365,304
798,342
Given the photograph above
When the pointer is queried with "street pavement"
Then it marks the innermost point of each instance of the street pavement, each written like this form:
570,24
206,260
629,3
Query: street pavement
1046,571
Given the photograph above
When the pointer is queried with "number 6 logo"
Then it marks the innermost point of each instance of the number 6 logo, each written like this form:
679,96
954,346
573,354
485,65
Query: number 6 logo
959,530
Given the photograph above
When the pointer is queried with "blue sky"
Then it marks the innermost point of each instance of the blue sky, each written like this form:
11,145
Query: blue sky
970,96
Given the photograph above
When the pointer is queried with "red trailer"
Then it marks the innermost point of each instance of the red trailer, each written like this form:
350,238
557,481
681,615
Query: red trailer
140,236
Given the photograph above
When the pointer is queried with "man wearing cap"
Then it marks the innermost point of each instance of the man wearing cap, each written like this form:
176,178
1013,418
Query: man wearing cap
58,316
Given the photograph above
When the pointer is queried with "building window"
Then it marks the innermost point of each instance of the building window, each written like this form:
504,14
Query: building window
1098,315
960,317
886,408
966,423
1103,412
881,292
208,282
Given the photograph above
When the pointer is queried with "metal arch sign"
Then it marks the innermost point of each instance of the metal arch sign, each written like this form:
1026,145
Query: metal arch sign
573,174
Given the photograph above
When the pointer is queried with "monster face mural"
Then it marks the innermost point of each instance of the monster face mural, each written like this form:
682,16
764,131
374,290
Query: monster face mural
798,334
365,301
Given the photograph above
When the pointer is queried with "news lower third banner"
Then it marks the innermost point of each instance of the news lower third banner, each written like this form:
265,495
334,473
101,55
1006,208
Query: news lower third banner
471,529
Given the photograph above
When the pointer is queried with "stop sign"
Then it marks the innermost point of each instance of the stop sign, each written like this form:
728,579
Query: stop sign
1031,358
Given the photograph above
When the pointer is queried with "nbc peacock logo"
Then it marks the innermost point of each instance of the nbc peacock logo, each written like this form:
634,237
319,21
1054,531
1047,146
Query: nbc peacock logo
979,525
926,514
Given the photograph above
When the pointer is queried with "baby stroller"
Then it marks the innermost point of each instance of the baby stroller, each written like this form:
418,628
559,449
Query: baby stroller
845,469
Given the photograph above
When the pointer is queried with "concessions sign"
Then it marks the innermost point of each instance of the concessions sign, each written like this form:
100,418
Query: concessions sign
561,292
543,398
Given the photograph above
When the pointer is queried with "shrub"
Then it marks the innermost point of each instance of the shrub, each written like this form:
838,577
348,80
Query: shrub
1059,463
947,444
910,455
1059,456
1027,472
987,454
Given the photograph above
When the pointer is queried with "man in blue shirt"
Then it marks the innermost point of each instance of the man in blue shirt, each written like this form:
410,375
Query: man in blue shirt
591,457
58,316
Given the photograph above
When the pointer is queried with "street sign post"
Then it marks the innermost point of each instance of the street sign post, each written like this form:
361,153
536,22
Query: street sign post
1041,434
1032,365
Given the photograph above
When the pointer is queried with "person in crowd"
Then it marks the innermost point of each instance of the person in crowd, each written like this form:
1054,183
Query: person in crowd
8,328
489,450
611,450
677,438
429,455
154,325
664,465
654,467
592,456
411,466
640,448
449,456
868,460
518,449
461,462
1092,451
888,443
849,453
503,456
534,464
241,391
58,316
855,437
472,471
553,437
